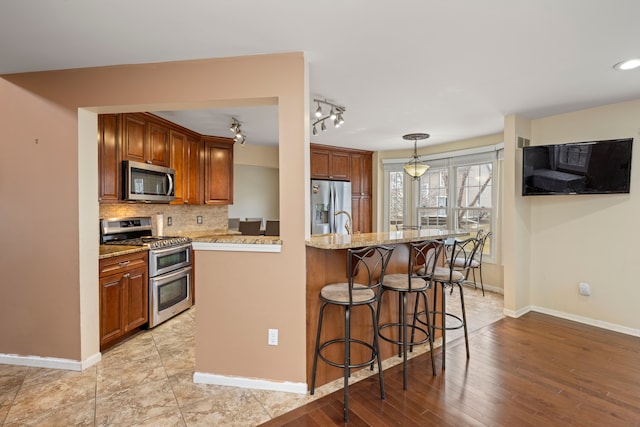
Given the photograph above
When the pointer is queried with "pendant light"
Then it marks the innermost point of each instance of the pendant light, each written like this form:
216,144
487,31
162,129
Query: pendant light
415,167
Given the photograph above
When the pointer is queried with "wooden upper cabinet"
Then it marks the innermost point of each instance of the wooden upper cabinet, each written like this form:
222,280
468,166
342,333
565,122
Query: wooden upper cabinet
361,174
177,148
186,160
143,137
145,140
108,158
195,171
158,146
218,165
134,137
329,164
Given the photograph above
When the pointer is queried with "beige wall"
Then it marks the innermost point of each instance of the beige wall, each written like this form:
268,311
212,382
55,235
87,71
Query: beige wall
47,217
587,238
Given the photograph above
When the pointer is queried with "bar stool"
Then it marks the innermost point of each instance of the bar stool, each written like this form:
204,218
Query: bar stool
365,272
459,255
422,261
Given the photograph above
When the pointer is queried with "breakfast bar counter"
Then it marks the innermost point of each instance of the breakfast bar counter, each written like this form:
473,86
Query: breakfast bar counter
326,259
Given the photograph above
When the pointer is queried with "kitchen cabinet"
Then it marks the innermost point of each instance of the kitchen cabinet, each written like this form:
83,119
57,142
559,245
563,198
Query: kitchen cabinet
195,172
329,162
108,158
177,146
186,160
124,296
145,139
218,165
361,191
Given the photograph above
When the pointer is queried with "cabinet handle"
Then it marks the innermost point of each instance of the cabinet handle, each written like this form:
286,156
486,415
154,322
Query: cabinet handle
123,263
126,275
149,162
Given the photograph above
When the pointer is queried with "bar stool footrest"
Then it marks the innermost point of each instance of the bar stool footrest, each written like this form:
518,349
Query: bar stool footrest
342,365
459,322
410,328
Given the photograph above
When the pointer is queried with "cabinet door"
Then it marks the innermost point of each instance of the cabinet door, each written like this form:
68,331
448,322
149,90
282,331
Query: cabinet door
360,174
137,299
134,136
108,159
339,166
158,141
194,173
319,164
112,289
178,146
218,172
361,214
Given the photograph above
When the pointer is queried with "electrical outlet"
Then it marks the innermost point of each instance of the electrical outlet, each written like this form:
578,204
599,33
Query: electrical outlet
584,289
169,220
199,219
273,337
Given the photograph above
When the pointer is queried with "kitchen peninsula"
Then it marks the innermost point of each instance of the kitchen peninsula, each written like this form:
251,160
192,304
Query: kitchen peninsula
327,263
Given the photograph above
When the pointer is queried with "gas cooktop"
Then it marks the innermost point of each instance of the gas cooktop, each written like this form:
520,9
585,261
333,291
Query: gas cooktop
152,242
135,231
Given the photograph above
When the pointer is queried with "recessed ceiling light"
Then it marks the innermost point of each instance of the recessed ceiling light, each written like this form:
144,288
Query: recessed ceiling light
629,64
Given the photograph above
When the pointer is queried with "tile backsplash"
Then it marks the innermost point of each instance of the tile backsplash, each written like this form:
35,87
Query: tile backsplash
183,218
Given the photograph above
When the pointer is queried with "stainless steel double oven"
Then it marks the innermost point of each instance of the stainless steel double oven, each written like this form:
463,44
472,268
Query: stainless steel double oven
169,282
170,264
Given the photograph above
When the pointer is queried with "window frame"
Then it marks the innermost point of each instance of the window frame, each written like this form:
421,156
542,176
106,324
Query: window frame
451,161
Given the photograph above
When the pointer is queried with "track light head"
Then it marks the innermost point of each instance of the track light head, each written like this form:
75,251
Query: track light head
335,115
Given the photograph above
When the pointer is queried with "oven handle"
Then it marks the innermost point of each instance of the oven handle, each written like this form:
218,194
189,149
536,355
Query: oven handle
167,277
171,249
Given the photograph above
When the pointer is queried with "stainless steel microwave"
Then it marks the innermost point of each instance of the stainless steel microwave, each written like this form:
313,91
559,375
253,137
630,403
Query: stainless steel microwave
147,183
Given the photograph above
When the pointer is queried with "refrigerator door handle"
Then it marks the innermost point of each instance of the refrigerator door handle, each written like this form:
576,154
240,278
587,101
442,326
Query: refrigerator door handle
332,209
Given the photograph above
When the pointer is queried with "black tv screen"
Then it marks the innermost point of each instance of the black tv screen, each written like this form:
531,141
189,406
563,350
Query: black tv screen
591,167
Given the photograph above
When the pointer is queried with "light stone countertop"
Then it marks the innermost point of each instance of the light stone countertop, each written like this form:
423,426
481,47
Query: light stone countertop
240,239
360,240
109,251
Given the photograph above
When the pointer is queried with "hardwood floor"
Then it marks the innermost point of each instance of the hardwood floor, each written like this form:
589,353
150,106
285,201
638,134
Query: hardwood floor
537,370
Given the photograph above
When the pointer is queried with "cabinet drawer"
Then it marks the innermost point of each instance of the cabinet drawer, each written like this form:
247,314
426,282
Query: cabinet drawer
123,263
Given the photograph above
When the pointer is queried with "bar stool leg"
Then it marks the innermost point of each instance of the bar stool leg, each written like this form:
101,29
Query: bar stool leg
317,350
464,320
376,344
347,359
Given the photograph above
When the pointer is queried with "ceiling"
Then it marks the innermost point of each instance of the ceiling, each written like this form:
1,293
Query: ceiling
451,68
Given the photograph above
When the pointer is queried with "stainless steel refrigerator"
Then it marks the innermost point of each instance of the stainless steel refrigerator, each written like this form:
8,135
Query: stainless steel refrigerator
327,198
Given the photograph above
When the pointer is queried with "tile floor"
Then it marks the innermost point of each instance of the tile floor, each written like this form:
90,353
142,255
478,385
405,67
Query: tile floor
147,381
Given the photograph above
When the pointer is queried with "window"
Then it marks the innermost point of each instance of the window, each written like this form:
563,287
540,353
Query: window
457,192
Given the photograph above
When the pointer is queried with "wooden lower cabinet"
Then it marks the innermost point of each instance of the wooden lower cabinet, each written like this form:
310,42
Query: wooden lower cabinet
361,214
124,296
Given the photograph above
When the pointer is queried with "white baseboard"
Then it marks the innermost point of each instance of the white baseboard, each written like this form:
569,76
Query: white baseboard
50,362
587,321
568,316
285,386
517,313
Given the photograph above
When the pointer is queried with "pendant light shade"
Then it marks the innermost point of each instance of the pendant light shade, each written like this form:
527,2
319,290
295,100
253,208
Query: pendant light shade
415,167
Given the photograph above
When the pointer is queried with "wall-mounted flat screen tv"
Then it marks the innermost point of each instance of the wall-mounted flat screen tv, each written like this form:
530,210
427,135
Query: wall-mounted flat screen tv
591,167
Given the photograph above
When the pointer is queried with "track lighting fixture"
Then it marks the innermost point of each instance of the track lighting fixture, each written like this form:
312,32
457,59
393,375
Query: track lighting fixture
335,115
237,132
415,167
